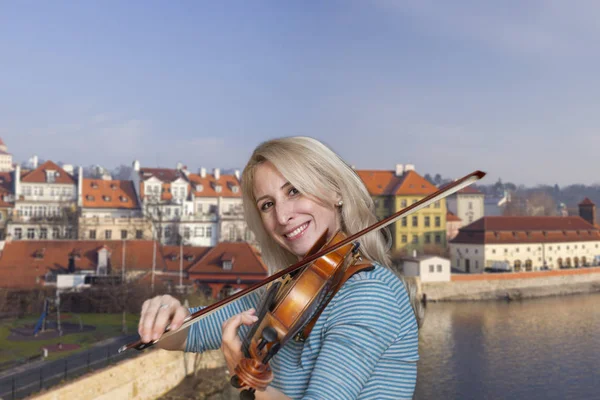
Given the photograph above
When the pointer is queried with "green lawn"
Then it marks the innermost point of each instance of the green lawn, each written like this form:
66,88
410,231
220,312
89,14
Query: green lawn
107,326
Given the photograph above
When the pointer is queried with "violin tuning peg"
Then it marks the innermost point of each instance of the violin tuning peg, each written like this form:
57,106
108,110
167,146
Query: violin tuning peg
235,382
247,394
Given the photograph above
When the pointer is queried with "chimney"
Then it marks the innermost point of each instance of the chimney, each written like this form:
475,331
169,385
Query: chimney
415,253
237,174
80,187
399,169
409,167
202,172
34,162
136,166
216,173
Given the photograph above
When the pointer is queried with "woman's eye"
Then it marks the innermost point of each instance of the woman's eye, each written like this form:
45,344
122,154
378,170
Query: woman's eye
293,191
266,205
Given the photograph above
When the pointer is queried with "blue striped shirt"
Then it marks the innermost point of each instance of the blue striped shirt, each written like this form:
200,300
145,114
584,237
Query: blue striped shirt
363,346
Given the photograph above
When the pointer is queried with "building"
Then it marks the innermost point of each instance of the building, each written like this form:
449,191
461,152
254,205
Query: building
525,244
6,160
199,209
393,191
467,204
46,203
453,224
216,271
428,268
7,202
110,211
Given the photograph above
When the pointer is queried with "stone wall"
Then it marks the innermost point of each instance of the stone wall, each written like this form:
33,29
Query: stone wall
512,286
147,376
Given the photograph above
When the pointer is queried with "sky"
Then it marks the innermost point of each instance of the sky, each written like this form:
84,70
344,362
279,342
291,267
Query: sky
510,88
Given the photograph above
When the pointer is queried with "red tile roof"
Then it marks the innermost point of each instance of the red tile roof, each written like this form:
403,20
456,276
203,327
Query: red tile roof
166,175
586,202
386,183
451,217
98,193
20,268
230,186
501,229
244,257
38,175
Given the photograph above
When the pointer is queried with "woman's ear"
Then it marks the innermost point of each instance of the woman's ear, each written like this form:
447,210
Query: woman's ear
339,202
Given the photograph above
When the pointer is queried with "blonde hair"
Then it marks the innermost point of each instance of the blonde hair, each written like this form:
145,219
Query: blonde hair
315,170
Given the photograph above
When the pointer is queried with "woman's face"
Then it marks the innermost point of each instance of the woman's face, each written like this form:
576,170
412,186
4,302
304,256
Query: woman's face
295,221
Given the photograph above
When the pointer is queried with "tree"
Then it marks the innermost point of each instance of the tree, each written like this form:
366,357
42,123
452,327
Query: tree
122,172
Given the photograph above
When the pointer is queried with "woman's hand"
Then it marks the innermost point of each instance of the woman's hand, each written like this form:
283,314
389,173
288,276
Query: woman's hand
159,312
231,345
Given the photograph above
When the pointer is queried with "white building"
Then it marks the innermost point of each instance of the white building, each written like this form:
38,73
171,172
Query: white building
199,209
525,244
427,267
46,201
6,160
467,204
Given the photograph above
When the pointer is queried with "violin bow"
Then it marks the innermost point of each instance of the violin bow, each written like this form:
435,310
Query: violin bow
426,201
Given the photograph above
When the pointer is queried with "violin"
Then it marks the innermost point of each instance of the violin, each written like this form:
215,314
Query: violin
298,294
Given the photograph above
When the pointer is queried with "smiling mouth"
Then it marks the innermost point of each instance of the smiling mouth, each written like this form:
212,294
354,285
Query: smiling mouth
296,233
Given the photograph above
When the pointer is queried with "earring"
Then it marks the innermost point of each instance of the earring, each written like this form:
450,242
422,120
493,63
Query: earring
340,203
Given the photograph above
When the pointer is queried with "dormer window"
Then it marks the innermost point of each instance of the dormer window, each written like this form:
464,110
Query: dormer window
173,257
218,188
227,265
227,261
94,185
199,187
50,176
113,186
189,257
235,189
89,197
124,199
106,198
39,254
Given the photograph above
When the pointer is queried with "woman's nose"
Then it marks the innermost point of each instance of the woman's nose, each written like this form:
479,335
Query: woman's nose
284,212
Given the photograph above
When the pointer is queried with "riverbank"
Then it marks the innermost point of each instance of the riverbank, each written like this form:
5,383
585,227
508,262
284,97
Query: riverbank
513,286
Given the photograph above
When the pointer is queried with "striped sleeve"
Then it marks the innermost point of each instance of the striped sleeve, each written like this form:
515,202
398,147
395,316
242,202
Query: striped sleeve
206,333
365,320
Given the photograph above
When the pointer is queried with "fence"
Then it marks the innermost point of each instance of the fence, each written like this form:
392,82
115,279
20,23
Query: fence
34,380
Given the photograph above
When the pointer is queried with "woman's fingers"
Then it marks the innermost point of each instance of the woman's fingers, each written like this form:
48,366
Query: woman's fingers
156,315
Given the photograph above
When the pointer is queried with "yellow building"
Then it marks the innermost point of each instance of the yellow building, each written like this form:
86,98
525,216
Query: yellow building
394,190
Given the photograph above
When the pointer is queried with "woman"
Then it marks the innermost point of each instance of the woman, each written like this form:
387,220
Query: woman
365,343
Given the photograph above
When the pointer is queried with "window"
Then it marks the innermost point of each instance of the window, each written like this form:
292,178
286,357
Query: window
427,238
476,264
415,239
436,205
470,205
439,267
123,234
403,221
55,233
43,233
431,268
493,251
227,265
139,234
69,233
92,234
187,232
231,233
18,233
403,203
209,232
30,233
167,232
415,221
199,231
108,234
404,239
427,221
438,238
438,222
